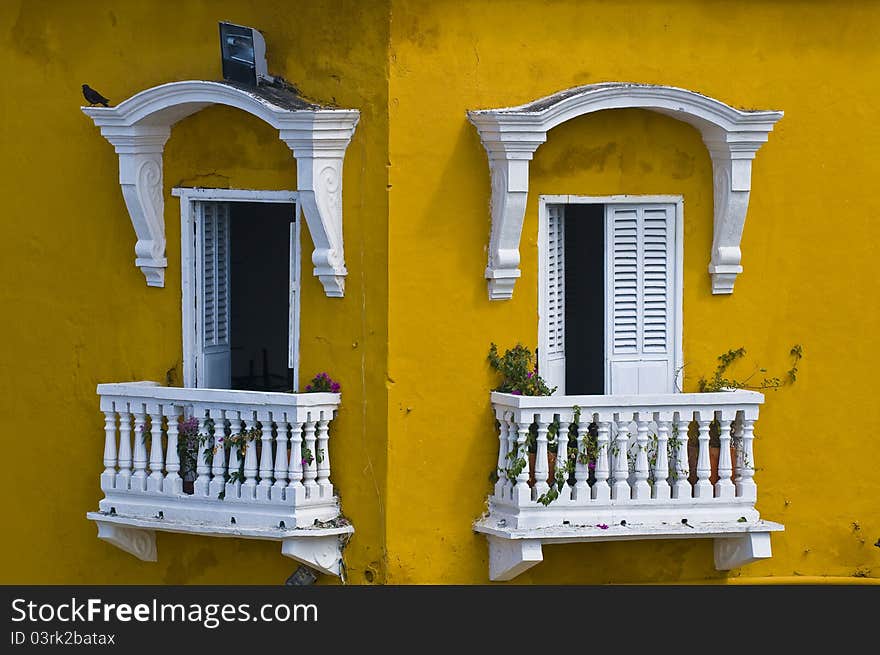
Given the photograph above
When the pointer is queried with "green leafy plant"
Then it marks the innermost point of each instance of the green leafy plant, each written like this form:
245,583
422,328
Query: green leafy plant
721,382
519,375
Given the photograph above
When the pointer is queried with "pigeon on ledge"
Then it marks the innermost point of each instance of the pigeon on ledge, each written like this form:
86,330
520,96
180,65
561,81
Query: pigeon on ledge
93,96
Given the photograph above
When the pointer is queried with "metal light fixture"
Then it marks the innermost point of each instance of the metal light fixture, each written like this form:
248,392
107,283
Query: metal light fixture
301,577
243,51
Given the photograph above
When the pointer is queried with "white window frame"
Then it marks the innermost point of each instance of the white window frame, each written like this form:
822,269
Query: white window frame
678,283
189,273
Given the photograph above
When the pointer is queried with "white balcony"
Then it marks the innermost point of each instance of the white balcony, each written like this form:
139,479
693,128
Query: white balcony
256,465
632,475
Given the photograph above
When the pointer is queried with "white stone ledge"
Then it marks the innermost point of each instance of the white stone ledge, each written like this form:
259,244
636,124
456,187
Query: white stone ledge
318,546
513,551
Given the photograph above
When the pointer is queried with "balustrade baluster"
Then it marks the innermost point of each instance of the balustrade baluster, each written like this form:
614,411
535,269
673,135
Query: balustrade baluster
123,477
248,490
521,491
641,489
265,419
323,447
562,459
661,490
173,483
724,486
601,488
503,449
311,468
542,469
682,486
703,488
157,460
296,492
203,469
108,477
280,457
620,489
745,483
139,477
581,491
233,481
218,463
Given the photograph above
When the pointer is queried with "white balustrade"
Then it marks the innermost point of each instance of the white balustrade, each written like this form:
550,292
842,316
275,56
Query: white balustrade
248,459
628,459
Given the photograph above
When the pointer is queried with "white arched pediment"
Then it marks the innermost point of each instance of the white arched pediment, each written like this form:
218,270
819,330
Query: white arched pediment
512,134
318,136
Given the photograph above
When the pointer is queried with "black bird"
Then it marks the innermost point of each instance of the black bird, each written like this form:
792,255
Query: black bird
93,96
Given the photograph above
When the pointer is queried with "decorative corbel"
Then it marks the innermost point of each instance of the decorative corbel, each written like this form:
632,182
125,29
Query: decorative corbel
319,151
732,154
509,156
140,175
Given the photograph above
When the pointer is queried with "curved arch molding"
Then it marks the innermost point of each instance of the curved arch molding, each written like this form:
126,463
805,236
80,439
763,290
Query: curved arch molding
512,134
139,127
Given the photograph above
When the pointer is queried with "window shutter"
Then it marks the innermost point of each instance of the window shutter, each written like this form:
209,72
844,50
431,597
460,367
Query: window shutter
293,304
553,368
640,291
215,357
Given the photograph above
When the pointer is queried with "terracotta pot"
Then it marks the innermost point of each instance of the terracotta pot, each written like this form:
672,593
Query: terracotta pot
551,458
714,456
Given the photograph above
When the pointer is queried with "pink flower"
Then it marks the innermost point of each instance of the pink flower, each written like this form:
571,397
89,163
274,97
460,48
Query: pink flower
591,465
601,526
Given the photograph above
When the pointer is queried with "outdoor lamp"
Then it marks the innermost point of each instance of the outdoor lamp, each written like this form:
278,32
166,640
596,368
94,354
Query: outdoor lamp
243,51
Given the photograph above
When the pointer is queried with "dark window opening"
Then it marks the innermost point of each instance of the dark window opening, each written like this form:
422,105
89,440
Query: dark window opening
260,290
584,299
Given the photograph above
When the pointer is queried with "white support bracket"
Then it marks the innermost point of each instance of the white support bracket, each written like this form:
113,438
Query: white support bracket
734,552
508,558
140,175
135,541
509,166
323,554
318,136
511,135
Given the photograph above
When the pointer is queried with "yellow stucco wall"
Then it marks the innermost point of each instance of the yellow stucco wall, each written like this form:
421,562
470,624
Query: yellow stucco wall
807,250
78,312
414,444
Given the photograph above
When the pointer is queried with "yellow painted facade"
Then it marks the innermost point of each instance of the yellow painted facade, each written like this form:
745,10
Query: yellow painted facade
414,443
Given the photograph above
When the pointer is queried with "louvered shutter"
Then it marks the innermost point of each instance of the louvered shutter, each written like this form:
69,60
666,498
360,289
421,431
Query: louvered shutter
293,303
640,291
553,365
215,357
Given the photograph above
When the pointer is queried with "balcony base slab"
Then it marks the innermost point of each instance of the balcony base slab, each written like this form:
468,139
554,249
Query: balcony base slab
318,546
513,551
